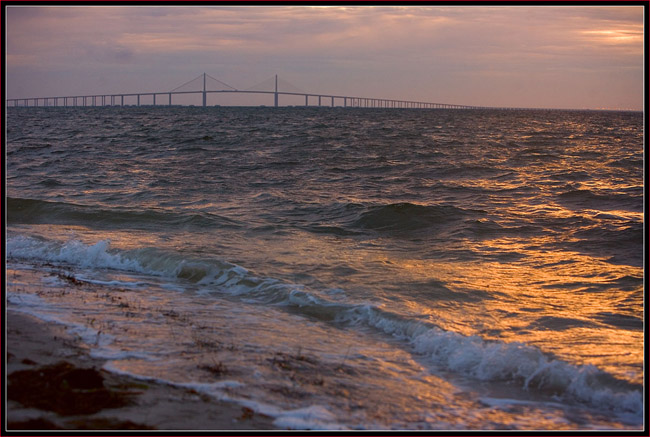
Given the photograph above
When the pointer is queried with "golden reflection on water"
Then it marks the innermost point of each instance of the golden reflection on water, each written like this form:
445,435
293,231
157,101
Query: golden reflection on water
552,302
556,300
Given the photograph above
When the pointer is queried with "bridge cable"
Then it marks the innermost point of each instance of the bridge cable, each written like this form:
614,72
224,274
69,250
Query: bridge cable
262,85
222,83
289,87
269,85
198,77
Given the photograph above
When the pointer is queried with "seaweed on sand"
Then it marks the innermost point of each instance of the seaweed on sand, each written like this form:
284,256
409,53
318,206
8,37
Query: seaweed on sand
64,389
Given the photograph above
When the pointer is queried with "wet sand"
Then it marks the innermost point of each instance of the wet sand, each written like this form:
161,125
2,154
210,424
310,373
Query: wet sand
52,383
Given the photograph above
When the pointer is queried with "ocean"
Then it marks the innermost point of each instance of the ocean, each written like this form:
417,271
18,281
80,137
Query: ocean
344,268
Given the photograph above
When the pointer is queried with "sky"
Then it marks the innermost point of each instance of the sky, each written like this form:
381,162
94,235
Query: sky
579,57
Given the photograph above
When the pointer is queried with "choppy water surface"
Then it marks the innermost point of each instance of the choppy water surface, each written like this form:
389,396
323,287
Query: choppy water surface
350,268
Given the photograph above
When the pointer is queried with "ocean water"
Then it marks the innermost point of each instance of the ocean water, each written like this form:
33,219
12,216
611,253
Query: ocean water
344,268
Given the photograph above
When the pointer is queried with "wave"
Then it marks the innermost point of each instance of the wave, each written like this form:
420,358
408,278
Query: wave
51,182
497,361
621,245
356,219
408,217
602,202
627,163
34,211
470,356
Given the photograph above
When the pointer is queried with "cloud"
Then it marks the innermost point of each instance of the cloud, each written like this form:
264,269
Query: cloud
332,49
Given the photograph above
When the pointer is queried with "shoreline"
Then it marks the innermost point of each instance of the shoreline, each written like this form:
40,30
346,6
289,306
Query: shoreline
36,351
35,343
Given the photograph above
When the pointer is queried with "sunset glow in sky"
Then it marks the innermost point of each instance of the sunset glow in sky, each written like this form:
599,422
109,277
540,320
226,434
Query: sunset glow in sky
532,56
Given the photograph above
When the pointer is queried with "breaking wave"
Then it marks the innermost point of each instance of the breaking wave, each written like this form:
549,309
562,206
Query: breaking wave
33,211
470,356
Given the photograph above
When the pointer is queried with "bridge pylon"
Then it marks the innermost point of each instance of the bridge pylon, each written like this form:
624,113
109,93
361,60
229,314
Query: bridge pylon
205,94
276,90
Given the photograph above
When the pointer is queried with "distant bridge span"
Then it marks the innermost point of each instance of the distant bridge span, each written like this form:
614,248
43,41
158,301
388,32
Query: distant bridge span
323,99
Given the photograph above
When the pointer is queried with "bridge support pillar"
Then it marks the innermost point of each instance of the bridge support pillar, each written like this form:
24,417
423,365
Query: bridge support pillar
306,100
154,100
319,100
122,100
138,99
205,94
170,99
332,101
275,103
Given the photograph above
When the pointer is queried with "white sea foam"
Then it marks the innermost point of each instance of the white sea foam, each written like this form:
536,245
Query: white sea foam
498,361
105,353
114,283
315,417
41,309
23,302
99,342
100,255
72,252
513,362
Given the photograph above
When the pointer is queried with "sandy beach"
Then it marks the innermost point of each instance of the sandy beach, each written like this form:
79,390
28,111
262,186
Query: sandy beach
52,383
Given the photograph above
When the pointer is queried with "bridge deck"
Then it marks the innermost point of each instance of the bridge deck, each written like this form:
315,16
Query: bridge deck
117,99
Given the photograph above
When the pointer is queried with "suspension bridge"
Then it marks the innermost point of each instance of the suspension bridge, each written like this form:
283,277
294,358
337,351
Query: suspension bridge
204,85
